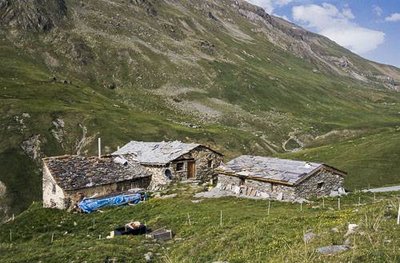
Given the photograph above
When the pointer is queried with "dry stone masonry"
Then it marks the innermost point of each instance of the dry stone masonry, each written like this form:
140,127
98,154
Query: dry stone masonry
278,179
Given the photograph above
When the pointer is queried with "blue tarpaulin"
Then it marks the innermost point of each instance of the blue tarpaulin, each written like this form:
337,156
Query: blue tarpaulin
89,205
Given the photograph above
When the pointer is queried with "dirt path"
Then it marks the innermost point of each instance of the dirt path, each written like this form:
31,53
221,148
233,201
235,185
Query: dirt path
383,189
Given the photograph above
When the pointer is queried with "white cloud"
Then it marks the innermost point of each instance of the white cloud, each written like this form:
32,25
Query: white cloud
377,10
270,5
337,25
393,17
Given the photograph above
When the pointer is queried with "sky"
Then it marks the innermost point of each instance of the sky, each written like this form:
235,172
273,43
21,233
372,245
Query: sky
369,28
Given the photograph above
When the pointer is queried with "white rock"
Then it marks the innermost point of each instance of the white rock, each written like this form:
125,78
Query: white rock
335,229
341,191
330,250
236,189
308,237
148,256
264,195
352,228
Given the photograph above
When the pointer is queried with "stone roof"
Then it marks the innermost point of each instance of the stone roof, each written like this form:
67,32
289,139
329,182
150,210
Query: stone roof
273,169
156,153
77,172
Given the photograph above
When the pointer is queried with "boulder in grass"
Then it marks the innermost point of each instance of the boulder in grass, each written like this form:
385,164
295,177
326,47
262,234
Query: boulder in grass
331,250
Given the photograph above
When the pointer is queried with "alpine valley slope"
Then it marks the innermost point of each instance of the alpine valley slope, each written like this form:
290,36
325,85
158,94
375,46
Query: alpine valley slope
223,73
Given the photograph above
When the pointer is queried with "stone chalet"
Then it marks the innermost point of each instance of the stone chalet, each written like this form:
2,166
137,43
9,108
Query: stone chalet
67,179
172,161
279,179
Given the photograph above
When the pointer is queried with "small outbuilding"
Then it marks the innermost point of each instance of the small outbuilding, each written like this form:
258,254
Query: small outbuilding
172,161
68,179
280,179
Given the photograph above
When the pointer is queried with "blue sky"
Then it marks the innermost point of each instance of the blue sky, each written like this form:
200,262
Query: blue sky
370,28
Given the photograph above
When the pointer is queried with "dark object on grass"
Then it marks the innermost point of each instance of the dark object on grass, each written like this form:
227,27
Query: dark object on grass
138,229
161,234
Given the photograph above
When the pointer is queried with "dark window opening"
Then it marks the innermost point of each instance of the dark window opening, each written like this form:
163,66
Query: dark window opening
179,166
210,163
320,185
54,189
242,181
168,174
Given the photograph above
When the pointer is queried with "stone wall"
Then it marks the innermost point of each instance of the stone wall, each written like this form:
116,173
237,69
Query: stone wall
255,188
320,184
201,156
53,195
159,180
74,196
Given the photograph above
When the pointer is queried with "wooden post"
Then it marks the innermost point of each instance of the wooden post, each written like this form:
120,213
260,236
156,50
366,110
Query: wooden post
338,203
323,202
269,206
220,219
99,146
398,216
189,222
99,236
52,237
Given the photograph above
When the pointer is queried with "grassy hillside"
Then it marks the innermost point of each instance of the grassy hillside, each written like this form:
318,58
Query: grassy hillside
222,73
371,160
247,233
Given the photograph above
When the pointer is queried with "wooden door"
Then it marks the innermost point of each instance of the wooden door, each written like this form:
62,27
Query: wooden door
191,169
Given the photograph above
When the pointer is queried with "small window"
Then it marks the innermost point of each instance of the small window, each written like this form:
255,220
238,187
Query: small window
210,163
179,166
54,189
320,185
168,174
242,181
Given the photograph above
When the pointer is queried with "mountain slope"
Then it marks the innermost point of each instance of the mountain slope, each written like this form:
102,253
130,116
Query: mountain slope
223,73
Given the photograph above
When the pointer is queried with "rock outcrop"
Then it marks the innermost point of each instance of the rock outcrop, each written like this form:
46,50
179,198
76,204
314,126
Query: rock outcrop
36,15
